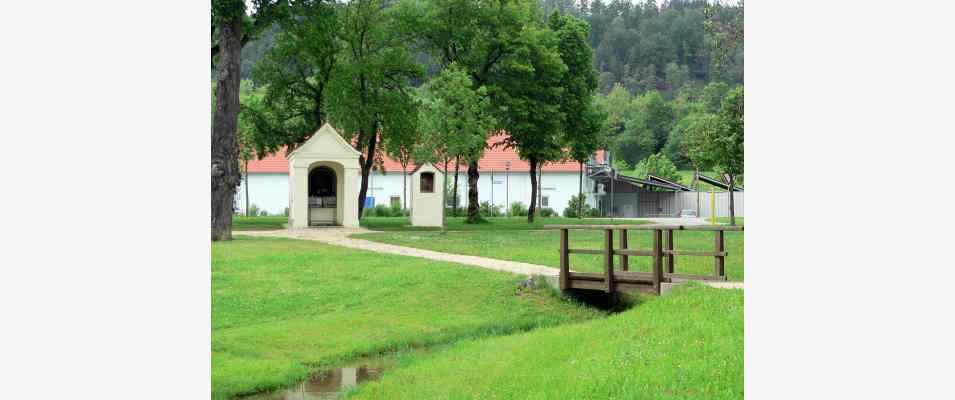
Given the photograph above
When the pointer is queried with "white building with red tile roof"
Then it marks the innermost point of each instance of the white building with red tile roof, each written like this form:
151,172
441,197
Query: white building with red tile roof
504,179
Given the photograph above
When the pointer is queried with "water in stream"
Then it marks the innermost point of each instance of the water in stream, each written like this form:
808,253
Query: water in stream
325,386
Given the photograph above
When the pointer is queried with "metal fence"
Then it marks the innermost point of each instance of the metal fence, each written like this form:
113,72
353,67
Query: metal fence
644,204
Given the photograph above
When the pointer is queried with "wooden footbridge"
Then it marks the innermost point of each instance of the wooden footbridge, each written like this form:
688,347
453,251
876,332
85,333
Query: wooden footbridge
663,252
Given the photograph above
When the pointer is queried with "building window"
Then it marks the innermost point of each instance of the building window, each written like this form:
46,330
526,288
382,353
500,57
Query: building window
544,201
427,182
395,201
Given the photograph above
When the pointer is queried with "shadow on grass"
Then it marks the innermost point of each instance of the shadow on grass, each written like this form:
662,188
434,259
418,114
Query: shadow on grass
604,301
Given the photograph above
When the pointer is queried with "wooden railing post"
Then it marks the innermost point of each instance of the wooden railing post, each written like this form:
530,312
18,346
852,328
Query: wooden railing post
657,259
608,259
720,259
564,261
669,246
624,259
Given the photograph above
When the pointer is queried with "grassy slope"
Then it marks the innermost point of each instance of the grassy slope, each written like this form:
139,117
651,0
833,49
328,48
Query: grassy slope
541,247
281,307
241,223
492,224
685,345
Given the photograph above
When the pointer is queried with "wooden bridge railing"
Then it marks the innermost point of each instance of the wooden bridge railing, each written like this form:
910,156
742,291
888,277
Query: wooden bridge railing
661,251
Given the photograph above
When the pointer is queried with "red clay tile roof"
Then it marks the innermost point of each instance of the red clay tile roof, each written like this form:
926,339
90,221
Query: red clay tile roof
495,158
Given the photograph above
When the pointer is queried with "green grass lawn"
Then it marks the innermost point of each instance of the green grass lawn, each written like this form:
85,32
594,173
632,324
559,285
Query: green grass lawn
726,220
541,247
282,308
242,223
688,344
492,224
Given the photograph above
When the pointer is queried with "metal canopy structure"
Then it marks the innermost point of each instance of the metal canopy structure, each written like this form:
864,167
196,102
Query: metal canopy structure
605,177
718,183
655,178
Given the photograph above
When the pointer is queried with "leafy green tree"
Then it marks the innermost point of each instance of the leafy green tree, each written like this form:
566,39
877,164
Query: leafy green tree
369,93
295,73
529,93
716,141
477,36
723,40
675,148
677,76
583,129
457,118
658,165
726,142
619,105
712,96
647,128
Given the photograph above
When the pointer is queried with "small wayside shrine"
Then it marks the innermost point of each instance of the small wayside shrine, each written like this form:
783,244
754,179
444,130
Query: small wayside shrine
427,196
323,182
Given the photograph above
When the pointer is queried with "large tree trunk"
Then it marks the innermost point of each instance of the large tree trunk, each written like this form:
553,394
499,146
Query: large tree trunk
533,207
366,165
225,163
732,203
454,190
473,206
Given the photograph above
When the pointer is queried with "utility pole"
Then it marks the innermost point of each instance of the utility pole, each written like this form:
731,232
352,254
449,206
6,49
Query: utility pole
507,188
492,189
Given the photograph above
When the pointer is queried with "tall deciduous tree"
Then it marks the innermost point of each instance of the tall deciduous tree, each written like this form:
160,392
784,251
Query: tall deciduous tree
295,73
369,91
716,141
457,117
583,128
228,21
477,36
646,129
229,30
529,93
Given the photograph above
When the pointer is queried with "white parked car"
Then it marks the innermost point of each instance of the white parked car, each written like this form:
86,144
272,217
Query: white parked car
688,213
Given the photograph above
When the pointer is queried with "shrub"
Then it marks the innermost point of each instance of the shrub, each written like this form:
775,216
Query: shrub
263,213
382,210
547,212
571,210
254,210
286,211
396,210
487,209
518,209
659,165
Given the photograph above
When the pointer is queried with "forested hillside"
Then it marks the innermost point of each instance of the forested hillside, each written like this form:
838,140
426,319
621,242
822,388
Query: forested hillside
641,45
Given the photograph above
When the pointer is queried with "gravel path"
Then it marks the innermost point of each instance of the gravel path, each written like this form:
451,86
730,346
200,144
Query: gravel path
339,237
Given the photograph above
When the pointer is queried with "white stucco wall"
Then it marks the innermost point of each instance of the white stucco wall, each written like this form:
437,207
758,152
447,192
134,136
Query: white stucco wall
270,191
267,191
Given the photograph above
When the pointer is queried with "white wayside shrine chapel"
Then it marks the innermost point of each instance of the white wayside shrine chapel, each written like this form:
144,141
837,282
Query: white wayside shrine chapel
323,178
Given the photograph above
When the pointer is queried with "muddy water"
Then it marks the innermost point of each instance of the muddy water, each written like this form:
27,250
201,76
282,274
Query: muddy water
324,385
